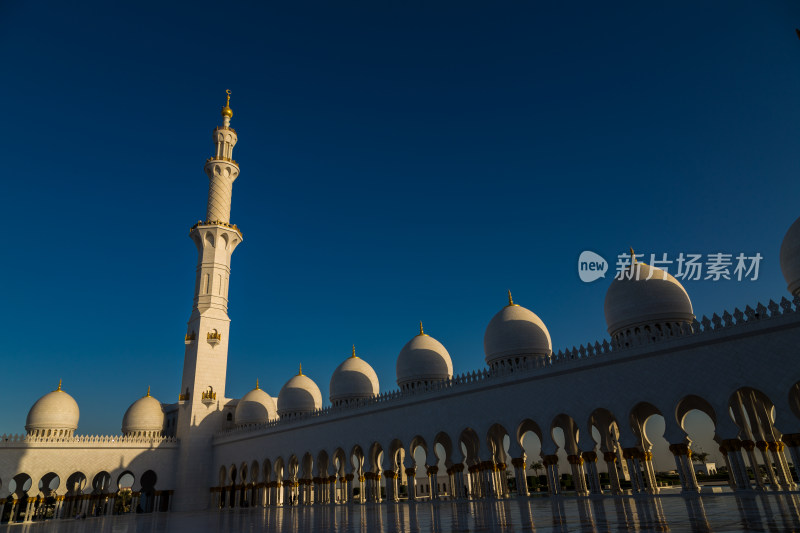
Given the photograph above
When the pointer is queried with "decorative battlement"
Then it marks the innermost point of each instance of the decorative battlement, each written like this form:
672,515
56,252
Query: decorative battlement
216,223
226,128
705,328
228,159
106,441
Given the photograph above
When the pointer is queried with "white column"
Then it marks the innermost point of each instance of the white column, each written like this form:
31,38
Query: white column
551,467
784,475
411,479
519,474
749,447
590,462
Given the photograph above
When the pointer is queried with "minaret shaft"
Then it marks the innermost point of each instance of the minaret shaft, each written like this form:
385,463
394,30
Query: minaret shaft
205,362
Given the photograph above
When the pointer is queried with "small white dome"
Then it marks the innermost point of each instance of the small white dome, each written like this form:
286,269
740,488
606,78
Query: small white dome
790,257
299,395
650,297
145,415
255,407
423,359
55,411
515,332
352,380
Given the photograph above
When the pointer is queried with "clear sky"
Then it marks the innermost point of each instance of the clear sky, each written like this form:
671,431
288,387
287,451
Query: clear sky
400,161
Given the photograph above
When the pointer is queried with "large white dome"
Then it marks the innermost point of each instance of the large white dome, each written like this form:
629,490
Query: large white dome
422,360
515,333
790,257
638,301
144,416
54,414
299,395
255,407
354,379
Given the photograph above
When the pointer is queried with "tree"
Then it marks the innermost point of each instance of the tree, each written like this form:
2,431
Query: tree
699,457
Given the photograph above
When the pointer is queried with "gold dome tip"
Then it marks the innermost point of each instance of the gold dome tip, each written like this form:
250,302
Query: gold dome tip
227,111
510,299
59,384
300,372
148,391
421,331
257,384
354,356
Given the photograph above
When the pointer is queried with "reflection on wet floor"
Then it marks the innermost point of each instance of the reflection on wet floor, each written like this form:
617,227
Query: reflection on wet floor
717,512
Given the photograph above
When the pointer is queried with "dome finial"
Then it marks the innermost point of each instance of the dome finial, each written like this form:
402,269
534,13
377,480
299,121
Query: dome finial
633,256
227,112
59,384
510,299
148,392
421,331
257,387
354,352
300,372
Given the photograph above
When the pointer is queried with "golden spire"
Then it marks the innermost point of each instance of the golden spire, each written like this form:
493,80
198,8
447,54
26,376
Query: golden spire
633,256
510,299
227,111
300,372
354,356
59,384
148,391
257,387
421,331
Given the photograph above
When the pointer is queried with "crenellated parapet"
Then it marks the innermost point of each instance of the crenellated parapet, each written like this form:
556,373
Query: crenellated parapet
719,326
104,441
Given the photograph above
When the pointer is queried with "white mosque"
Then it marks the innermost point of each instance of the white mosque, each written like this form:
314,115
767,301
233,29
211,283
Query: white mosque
210,451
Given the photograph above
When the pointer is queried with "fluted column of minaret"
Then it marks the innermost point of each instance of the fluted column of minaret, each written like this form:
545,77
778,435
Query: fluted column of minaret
222,170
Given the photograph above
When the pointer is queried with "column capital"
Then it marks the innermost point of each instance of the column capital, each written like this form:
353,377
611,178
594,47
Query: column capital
791,439
610,457
589,456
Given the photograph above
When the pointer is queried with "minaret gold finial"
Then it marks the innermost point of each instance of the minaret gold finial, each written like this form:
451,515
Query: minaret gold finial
227,111
510,299
633,256
354,352
421,331
257,387
59,384
300,372
148,392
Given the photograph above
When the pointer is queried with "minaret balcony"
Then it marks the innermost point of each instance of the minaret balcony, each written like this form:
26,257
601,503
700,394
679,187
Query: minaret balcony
209,396
222,158
215,223
213,338
190,338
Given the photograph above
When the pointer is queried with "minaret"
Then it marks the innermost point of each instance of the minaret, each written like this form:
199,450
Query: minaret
202,391
205,362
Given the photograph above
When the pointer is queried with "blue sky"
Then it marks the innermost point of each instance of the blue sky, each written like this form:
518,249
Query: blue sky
400,161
